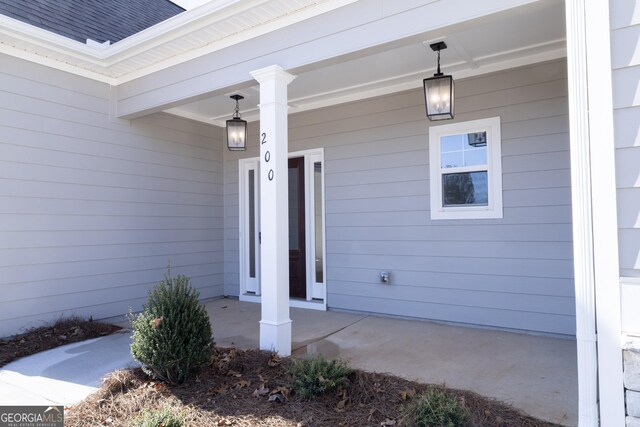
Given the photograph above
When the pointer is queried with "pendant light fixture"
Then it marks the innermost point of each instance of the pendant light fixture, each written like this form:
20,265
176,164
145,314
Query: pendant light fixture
236,129
439,91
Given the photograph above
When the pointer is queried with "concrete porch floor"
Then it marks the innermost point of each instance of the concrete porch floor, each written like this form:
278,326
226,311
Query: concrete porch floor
536,374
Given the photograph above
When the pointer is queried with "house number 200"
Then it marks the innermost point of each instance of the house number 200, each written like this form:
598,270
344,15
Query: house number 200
267,155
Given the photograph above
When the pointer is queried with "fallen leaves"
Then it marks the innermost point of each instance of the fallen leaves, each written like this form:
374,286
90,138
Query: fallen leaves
274,360
407,393
247,391
342,403
262,391
242,384
229,356
284,391
223,389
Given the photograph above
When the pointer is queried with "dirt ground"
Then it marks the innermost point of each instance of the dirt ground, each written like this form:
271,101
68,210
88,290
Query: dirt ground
250,388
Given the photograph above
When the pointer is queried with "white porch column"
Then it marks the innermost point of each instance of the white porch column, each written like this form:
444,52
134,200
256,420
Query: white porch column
275,326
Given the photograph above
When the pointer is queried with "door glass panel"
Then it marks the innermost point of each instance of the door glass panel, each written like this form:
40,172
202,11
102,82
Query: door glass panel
294,219
317,195
252,225
468,188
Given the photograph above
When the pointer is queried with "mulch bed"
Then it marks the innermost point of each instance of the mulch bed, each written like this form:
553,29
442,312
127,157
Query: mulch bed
250,388
64,331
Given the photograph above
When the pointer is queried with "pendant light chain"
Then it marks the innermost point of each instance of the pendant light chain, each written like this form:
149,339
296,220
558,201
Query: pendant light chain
236,115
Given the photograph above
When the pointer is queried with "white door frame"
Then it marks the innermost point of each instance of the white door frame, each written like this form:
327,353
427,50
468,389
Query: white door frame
250,287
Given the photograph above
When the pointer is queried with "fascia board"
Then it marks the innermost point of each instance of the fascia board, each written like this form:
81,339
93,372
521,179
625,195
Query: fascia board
99,61
152,36
175,27
22,31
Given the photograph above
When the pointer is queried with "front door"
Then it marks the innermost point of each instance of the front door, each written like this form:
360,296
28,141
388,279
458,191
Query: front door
297,240
306,230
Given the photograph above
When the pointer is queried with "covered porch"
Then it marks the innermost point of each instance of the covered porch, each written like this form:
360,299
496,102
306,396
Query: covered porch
354,119
534,373
354,114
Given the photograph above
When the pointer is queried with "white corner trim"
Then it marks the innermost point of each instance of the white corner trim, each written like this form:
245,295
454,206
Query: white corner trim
596,270
605,215
582,222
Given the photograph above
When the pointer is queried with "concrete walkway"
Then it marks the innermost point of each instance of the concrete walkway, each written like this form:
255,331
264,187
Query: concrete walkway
64,375
532,373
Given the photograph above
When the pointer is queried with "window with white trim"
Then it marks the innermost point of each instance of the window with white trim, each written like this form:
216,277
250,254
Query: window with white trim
466,170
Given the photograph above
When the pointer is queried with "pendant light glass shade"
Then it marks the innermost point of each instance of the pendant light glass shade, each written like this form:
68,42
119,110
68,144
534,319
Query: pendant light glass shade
439,91
439,97
236,129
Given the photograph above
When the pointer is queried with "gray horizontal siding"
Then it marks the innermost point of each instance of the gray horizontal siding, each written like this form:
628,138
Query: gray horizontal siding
472,314
515,272
91,210
625,28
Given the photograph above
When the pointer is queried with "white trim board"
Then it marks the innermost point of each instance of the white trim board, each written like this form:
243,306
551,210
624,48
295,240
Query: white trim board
630,297
600,384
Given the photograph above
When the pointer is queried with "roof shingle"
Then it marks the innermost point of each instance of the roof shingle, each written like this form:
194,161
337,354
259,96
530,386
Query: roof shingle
98,20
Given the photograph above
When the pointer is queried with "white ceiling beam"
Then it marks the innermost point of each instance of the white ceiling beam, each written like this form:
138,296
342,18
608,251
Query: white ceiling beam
299,47
510,59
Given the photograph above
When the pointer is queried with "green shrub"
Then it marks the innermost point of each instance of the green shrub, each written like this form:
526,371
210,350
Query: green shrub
315,375
435,408
164,417
172,336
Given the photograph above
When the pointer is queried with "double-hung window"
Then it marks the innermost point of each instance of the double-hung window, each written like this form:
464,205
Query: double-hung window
466,170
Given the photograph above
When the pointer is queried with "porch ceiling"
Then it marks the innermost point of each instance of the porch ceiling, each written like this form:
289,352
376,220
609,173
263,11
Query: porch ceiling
524,35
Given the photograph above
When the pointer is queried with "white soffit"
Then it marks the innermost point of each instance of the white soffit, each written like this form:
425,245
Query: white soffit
207,28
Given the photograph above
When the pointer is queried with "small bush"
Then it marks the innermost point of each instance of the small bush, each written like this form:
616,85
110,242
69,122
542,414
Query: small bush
172,336
435,408
315,375
164,417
